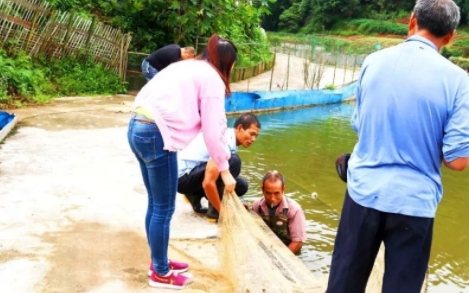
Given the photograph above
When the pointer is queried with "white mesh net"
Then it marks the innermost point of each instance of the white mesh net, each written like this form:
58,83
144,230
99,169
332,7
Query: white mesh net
251,259
254,259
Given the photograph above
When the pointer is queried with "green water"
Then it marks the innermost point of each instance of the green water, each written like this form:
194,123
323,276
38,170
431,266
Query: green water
303,145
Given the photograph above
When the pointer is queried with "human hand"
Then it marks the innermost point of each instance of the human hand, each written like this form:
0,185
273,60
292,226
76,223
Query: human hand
228,180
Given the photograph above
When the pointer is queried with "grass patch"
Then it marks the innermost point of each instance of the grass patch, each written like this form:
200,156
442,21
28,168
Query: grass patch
350,45
370,27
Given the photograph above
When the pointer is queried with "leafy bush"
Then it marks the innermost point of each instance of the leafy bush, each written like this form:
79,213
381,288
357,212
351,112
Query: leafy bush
24,80
462,43
370,26
462,46
79,75
290,19
448,52
20,78
154,24
461,62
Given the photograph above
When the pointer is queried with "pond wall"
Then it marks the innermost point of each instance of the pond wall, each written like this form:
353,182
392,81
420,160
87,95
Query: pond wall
263,101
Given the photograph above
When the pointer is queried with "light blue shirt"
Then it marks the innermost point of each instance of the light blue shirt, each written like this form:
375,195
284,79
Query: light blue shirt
196,152
412,110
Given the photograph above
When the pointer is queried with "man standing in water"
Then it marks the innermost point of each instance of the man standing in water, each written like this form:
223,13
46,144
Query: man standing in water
412,115
283,215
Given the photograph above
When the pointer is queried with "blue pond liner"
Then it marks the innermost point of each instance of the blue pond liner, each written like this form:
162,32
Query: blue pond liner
7,122
264,101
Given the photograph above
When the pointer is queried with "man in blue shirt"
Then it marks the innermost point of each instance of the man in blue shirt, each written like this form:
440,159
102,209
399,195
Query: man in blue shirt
412,115
199,175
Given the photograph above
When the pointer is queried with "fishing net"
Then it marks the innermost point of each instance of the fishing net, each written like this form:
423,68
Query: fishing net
251,259
254,259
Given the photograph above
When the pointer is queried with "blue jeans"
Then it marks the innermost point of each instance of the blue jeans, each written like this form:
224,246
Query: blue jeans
148,71
159,172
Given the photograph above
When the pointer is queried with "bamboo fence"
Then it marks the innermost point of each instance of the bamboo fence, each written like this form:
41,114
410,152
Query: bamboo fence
33,27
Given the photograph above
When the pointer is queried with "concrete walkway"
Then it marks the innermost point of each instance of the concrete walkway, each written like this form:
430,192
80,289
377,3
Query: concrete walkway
72,204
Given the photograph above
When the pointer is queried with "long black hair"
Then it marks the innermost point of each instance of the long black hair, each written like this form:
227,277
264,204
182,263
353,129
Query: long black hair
221,54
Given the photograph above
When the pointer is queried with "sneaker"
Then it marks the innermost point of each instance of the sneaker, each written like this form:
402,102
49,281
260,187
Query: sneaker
172,280
178,267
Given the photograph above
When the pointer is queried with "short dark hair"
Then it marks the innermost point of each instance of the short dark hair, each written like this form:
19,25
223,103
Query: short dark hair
190,50
440,17
247,119
273,176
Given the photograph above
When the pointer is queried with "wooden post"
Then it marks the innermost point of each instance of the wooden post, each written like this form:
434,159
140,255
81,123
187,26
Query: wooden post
345,68
121,56
126,58
48,32
14,11
90,35
31,31
354,67
196,44
69,29
288,69
250,61
335,68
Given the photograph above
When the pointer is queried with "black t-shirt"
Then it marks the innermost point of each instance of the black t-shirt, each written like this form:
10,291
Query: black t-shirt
164,56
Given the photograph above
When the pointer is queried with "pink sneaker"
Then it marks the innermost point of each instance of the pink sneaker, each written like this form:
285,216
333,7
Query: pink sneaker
172,280
178,267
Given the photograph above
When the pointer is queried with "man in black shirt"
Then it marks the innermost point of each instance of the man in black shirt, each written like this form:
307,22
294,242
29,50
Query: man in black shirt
162,57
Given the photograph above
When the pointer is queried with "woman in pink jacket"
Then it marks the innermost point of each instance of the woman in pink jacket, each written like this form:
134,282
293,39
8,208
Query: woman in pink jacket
184,98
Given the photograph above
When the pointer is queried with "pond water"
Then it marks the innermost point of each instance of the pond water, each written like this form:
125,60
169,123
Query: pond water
303,144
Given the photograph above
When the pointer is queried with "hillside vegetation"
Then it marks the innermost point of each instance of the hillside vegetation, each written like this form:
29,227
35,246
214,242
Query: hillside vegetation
317,16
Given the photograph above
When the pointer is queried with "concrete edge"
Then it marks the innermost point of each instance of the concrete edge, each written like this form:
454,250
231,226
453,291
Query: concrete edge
280,109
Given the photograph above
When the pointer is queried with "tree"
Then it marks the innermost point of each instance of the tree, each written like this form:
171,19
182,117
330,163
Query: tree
154,23
464,6
292,14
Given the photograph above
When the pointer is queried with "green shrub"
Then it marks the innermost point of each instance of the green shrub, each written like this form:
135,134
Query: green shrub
370,26
461,62
290,19
462,43
20,78
462,46
251,51
79,75
24,80
448,52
